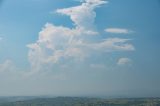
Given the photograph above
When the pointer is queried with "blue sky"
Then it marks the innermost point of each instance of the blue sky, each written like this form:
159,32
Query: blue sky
73,48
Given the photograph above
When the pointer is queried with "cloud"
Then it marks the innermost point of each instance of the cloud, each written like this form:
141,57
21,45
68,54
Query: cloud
59,45
7,65
124,61
114,44
84,15
8,70
60,48
55,44
118,30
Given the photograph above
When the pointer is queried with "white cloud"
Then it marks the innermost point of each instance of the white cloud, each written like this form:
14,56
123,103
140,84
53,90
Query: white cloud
124,61
118,30
59,44
8,68
83,16
7,65
54,44
114,44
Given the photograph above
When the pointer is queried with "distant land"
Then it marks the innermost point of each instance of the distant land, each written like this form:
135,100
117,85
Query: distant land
77,101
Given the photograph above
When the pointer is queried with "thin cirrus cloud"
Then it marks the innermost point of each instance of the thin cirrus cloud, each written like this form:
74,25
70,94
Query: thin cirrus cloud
59,44
118,30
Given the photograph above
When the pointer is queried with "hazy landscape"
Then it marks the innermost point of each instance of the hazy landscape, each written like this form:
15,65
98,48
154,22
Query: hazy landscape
77,101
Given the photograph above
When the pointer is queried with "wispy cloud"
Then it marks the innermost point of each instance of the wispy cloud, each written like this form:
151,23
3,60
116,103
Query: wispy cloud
118,30
6,66
114,44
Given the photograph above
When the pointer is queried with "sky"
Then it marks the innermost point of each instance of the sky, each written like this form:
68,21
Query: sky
104,48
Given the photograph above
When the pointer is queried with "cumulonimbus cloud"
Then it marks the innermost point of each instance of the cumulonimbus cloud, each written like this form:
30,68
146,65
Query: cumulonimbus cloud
59,43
